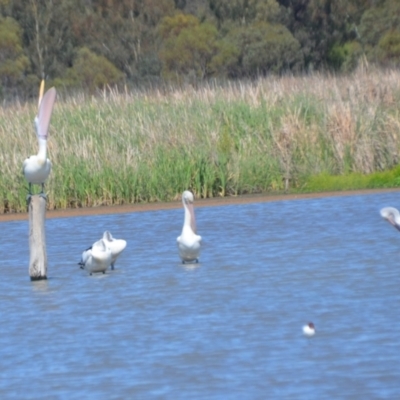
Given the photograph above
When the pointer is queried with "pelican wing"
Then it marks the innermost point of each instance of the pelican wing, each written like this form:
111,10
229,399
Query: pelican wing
45,110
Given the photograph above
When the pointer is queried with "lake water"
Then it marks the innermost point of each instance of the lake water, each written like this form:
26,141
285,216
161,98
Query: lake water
227,328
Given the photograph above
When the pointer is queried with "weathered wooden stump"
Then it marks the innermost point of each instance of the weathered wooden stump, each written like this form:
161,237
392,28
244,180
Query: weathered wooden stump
37,238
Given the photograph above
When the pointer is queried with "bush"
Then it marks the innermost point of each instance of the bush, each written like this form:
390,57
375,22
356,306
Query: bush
91,71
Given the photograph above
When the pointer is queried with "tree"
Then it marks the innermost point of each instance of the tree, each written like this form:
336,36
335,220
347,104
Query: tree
188,47
389,47
322,27
48,38
126,33
14,65
91,72
379,29
264,48
245,12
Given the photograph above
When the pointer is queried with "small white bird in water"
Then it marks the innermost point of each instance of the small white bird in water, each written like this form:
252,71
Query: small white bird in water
37,168
309,329
392,216
115,245
189,242
96,258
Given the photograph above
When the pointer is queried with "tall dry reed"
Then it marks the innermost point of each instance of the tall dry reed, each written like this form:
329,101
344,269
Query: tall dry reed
218,139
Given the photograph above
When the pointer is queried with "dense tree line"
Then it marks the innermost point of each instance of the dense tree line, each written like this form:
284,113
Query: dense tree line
91,43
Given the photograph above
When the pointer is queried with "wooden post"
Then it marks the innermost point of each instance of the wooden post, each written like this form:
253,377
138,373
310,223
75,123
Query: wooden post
37,238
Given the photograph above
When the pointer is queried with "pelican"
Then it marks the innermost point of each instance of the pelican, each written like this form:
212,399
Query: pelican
37,168
189,241
392,216
309,329
115,245
96,258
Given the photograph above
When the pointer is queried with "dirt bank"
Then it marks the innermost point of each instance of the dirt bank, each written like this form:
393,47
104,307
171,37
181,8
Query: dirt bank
220,201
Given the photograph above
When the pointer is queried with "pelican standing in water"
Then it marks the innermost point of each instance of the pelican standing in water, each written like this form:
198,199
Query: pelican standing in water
189,242
115,245
392,216
96,258
37,168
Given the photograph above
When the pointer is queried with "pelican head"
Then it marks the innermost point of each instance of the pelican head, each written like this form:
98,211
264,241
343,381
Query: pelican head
187,197
188,200
392,216
107,236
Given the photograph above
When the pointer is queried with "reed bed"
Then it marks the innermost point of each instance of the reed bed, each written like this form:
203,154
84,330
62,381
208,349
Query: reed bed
306,133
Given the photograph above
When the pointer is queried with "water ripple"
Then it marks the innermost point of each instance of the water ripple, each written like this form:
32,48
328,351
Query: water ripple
227,328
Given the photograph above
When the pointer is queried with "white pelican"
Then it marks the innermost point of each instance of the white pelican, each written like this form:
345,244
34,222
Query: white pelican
309,329
392,216
189,241
96,258
37,168
115,245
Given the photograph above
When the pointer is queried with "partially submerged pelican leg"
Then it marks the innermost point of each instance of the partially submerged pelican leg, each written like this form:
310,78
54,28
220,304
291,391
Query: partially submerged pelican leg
195,261
112,266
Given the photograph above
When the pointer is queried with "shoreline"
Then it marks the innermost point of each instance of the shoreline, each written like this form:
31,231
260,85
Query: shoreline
210,202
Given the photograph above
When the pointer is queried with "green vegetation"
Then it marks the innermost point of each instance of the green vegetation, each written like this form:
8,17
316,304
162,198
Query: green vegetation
313,133
90,45
353,181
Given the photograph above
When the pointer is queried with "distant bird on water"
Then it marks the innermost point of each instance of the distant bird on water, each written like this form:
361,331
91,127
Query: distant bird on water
391,215
37,168
309,329
189,242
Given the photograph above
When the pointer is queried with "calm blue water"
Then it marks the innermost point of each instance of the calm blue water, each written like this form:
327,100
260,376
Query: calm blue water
228,329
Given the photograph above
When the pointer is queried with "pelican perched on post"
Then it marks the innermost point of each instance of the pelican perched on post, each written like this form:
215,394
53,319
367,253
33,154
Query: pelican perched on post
189,242
115,245
96,258
37,168
392,216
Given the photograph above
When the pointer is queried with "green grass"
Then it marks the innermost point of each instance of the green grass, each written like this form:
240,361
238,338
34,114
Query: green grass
320,133
352,181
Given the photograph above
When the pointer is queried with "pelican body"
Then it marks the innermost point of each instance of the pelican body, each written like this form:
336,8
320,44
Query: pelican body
116,246
96,258
392,216
189,242
37,168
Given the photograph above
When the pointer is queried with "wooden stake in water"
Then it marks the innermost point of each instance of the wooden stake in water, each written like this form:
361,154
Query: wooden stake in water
37,238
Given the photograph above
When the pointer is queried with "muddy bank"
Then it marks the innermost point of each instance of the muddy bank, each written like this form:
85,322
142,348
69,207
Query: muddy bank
219,201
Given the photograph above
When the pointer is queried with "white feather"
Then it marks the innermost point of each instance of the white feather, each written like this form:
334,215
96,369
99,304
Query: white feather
189,242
